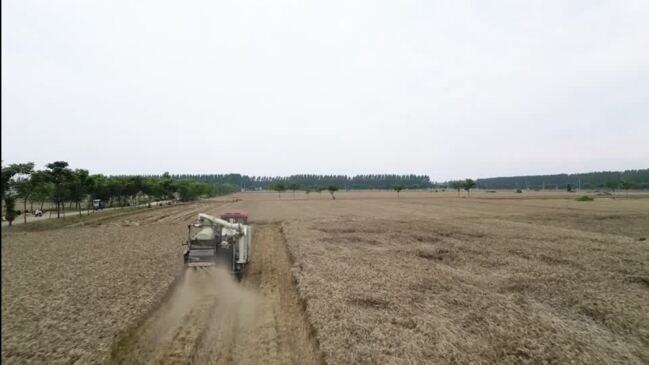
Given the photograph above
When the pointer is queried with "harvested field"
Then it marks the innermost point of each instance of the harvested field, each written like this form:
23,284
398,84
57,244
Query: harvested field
78,291
67,292
481,292
367,278
496,280
210,318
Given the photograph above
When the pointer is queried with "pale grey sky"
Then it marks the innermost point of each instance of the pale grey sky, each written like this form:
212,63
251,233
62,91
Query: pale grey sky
451,89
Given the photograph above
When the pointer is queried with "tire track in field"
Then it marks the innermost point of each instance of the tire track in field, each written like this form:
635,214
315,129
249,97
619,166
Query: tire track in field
210,318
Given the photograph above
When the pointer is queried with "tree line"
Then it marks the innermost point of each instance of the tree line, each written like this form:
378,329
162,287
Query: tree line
633,179
280,186
60,185
312,181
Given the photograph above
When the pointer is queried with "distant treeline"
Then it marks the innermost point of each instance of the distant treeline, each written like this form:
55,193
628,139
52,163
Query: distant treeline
636,179
343,182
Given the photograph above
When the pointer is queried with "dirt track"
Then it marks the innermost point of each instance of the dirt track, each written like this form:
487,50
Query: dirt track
209,318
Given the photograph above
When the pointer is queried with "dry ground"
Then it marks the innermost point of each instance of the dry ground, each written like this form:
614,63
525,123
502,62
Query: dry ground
67,292
210,318
497,278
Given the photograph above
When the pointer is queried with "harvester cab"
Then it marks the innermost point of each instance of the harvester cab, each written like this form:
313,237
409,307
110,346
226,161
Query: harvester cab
219,241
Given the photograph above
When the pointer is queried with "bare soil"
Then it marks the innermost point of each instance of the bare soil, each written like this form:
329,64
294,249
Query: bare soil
210,318
68,288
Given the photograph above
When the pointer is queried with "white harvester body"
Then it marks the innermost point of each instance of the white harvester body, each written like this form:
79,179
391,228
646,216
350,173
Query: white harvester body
225,240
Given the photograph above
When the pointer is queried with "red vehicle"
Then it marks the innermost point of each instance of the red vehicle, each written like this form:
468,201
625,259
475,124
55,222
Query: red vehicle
238,215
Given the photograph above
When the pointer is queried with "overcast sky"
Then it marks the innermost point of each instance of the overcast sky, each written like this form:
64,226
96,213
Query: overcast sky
451,89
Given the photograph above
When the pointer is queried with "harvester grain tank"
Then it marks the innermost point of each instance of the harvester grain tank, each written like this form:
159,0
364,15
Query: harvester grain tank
220,241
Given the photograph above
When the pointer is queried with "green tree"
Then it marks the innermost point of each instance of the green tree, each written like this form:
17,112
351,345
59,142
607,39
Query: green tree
43,190
58,174
625,185
320,189
99,188
77,187
332,189
116,188
187,190
8,189
458,185
27,187
167,188
307,191
467,185
10,208
279,187
89,189
133,189
398,189
293,186
8,173
612,185
151,189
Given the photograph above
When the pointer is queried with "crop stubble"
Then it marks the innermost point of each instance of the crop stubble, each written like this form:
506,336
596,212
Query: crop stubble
495,278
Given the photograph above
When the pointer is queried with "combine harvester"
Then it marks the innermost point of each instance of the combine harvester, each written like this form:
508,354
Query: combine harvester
220,241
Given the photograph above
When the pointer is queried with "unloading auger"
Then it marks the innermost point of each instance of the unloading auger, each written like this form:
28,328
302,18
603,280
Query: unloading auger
220,241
